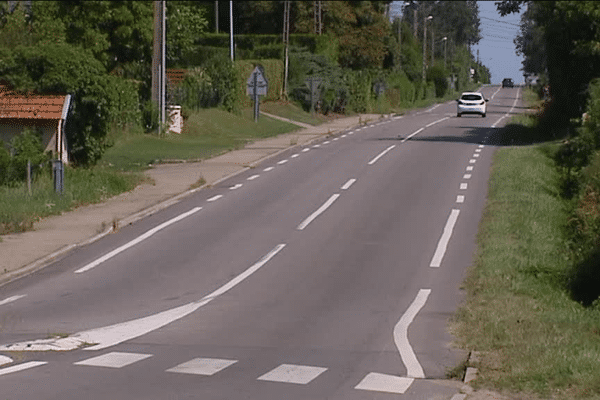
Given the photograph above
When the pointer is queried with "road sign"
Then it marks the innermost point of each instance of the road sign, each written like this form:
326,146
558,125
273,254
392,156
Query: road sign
257,81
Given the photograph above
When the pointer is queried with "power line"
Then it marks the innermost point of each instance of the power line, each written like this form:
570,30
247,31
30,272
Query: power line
503,22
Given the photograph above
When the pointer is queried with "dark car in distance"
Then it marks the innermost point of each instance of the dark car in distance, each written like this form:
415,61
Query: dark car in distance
507,82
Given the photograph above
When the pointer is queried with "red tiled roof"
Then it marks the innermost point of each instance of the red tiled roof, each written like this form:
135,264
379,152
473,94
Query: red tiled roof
30,106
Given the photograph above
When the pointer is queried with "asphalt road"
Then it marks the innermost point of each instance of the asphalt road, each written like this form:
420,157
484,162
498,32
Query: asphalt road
329,272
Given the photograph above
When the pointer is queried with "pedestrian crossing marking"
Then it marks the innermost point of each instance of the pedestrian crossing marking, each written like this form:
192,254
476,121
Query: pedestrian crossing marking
114,360
202,366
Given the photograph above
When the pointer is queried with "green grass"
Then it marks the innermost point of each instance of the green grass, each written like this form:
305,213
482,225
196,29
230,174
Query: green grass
19,210
535,338
292,111
206,133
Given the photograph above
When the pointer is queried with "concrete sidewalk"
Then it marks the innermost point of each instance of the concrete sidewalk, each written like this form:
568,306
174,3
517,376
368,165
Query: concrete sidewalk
55,236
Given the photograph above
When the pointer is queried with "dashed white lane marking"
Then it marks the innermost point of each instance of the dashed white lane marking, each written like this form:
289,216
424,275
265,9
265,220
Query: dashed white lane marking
477,150
268,169
476,155
253,177
282,162
374,160
305,150
320,210
202,366
467,176
326,142
435,122
214,198
343,136
334,139
11,299
470,168
136,240
413,368
290,373
348,184
239,185
21,367
317,145
377,382
443,243
114,360
492,98
460,199
463,186
472,161
481,146
294,155
351,133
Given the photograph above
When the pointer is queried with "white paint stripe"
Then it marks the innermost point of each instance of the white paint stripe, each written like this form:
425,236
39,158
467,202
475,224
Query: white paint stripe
326,142
253,177
348,184
282,162
290,373
334,139
202,366
21,367
477,150
476,155
351,133
463,186
435,122
320,210
407,354
268,169
460,199
467,176
294,155
472,161
239,185
377,382
373,161
481,146
492,98
305,150
114,360
432,108
317,145
411,135
470,168
11,299
137,240
343,136
443,243
214,198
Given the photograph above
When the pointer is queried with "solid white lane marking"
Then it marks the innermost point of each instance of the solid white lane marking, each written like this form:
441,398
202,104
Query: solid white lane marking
476,155
108,336
21,367
373,161
413,368
253,177
290,373
305,150
377,382
472,161
443,243
320,210
435,122
411,135
282,162
136,240
202,366
294,155
214,198
463,186
114,360
470,168
11,299
268,169
460,199
239,185
348,184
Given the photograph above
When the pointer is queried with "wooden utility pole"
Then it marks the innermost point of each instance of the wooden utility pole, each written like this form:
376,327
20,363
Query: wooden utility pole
286,42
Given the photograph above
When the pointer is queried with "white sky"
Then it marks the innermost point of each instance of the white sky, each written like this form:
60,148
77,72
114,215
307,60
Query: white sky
496,48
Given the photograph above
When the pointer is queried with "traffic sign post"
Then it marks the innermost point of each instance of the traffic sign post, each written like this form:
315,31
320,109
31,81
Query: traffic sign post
257,85
313,84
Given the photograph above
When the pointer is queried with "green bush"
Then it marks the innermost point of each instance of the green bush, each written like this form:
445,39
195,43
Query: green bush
438,76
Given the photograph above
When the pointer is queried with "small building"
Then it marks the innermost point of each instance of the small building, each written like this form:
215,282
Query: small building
46,112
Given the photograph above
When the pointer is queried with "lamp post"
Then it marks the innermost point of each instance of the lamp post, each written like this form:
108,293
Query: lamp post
445,39
425,42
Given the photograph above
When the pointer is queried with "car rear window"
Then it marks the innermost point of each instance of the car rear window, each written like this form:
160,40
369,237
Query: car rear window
471,97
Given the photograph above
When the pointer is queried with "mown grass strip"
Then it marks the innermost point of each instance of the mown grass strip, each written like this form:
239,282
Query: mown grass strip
535,339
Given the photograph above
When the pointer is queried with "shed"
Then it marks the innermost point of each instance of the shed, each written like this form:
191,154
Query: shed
46,112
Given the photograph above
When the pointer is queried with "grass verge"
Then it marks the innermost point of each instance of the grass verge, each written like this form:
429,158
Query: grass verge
535,339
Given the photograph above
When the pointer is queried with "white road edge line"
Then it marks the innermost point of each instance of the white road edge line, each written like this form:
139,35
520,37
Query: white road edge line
348,184
443,243
319,211
21,367
137,240
11,299
413,368
374,160
112,335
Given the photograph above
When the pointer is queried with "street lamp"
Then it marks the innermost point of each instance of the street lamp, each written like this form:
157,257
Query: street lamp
445,39
425,42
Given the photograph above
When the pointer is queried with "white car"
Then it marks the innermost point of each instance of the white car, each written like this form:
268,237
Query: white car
471,103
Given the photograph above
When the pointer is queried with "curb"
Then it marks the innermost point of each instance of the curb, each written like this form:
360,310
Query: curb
470,375
132,218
